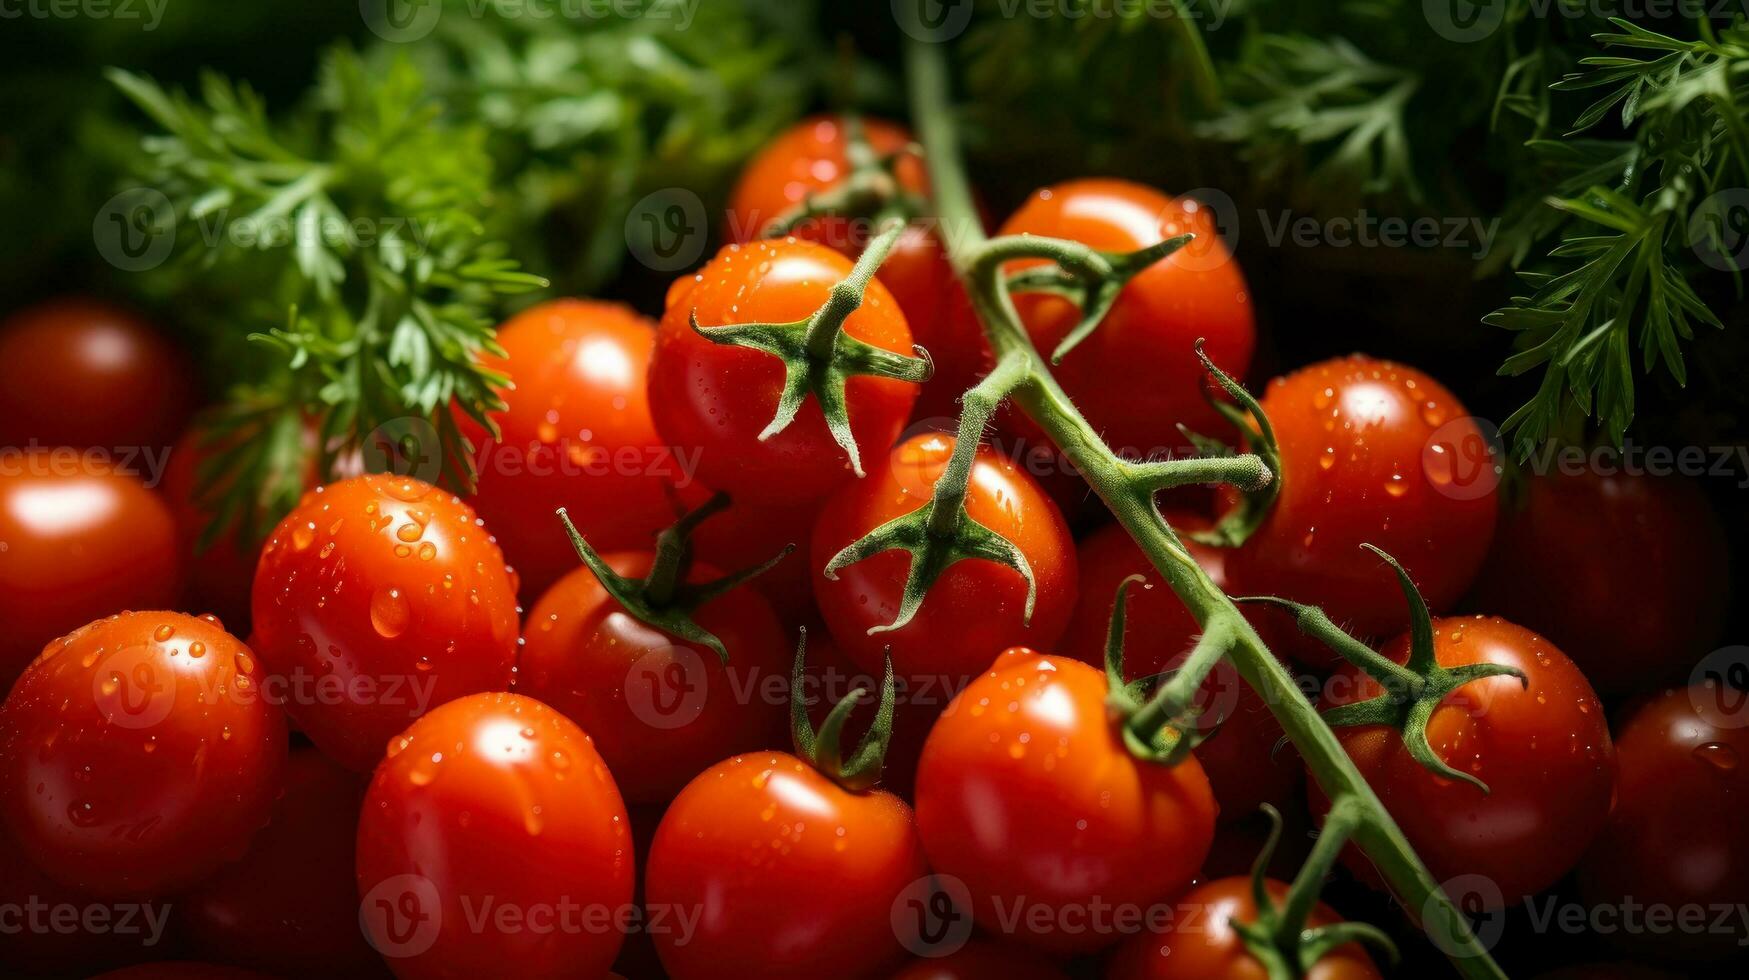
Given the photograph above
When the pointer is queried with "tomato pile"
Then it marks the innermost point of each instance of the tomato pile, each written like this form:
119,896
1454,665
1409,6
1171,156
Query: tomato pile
590,716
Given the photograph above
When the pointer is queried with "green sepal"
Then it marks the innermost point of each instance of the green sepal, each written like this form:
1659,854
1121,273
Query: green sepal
1169,742
1248,417
824,749
1094,295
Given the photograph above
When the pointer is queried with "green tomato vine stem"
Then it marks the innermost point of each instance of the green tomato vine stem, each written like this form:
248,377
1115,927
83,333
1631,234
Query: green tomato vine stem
977,261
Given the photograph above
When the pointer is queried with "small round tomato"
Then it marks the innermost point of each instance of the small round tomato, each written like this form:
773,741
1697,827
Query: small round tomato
661,710
577,434
982,960
749,534
787,873
1137,376
138,755
1027,794
712,401
493,842
1676,838
377,599
1581,542
1159,632
291,904
77,372
1367,457
1204,945
1542,747
80,541
976,608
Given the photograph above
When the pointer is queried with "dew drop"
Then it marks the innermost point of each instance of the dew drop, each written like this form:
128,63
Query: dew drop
389,612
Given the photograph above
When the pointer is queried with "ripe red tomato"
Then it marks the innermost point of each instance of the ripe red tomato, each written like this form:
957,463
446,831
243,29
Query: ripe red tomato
1368,456
1159,632
578,434
1027,794
982,960
377,599
1676,838
659,709
1543,748
290,905
976,608
78,540
712,401
1137,376
493,842
1202,945
784,873
749,534
1562,563
77,372
138,754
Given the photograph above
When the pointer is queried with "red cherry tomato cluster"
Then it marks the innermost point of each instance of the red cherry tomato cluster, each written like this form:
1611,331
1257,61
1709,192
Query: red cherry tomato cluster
462,742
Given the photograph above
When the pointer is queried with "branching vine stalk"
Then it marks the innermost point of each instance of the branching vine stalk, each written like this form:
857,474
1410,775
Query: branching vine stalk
1129,492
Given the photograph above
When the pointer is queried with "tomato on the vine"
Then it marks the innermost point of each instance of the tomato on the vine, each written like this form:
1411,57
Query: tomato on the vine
976,609
1542,747
1029,796
377,599
1376,453
138,754
577,434
81,540
711,401
1203,945
493,842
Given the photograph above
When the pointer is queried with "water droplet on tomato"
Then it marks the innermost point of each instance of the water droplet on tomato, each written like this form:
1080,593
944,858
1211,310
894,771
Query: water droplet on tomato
389,612
1718,755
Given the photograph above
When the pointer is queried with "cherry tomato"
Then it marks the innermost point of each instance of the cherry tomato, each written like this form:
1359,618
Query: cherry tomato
786,873
1582,541
660,709
291,904
493,842
578,434
1676,839
1137,376
1543,748
976,608
1159,632
749,534
377,599
78,540
712,401
1027,794
77,372
1369,455
1202,945
138,754
982,960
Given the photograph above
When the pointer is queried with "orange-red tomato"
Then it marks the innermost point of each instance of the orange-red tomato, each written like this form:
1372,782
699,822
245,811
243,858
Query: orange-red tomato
785,873
577,434
138,754
78,540
1202,945
1027,795
377,599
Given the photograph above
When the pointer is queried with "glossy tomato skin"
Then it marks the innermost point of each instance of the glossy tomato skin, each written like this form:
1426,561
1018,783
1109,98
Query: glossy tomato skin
78,372
788,874
1543,749
377,599
980,959
660,710
1239,752
749,533
1369,455
712,401
290,904
1676,837
1581,542
976,609
1027,795
1137,376
139,754
82,541
1205,946
577,434
494,801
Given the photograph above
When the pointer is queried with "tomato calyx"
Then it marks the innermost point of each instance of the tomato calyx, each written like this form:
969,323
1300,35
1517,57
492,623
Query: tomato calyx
1412,691
823,749
871,189
1248,417
819,357
663,600
1153,713
1087,277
